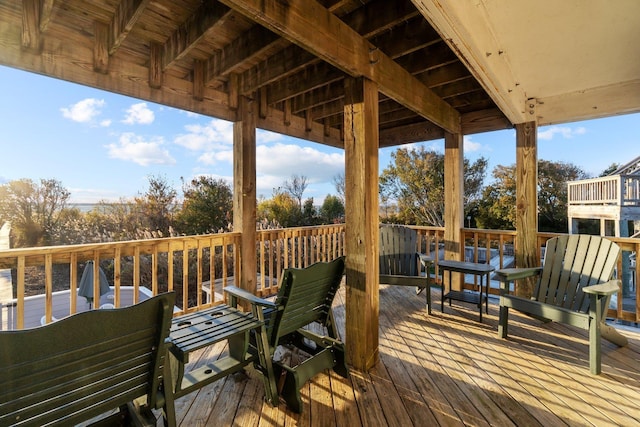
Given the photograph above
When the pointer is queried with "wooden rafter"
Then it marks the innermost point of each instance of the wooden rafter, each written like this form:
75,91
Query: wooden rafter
127,14
312,27
203,21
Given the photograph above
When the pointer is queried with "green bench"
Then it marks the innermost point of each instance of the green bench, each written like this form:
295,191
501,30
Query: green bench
574,287
89,364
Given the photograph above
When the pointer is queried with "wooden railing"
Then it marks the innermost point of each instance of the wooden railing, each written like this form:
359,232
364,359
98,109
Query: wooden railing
297,248
198,267
618,190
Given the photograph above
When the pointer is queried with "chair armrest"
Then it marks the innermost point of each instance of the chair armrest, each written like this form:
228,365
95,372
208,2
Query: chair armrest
506,275
603,289
236,292
425,260
510,274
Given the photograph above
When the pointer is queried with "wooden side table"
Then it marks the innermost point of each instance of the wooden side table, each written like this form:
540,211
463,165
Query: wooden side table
200,329
477,269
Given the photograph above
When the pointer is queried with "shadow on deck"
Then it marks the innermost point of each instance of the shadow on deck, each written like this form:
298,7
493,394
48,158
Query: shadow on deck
445,369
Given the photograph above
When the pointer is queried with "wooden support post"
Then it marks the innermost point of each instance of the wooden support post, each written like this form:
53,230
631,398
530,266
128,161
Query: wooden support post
244,190
526,202
361,188
453,201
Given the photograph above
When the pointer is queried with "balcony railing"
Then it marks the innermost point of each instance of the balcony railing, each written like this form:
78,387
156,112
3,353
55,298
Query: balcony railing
617,190
198,267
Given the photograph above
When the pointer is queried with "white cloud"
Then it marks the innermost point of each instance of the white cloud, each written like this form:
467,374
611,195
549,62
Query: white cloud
470,146
133,148
283,160
214,157
217,134
139,114
564,131
83,111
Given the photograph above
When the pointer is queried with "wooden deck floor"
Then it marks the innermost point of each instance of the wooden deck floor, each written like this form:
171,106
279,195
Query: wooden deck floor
445,369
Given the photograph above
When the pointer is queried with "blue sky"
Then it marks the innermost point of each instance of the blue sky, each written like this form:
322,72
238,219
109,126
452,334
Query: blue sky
103,146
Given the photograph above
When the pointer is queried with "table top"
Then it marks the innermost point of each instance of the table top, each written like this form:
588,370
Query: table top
192,331
466,267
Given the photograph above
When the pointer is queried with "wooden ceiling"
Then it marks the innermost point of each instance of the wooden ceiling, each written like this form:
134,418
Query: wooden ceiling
291,57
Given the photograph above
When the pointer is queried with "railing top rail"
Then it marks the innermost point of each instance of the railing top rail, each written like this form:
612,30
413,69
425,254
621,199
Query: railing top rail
611,178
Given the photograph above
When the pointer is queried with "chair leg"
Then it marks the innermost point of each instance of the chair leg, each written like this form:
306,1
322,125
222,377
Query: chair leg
502,323
427,291
595,347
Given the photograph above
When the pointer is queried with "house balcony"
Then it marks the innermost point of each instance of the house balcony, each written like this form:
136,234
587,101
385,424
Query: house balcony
443,369
615,197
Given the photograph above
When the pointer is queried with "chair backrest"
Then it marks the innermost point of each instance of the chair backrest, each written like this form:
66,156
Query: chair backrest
305,296
81,366
398,251
572,262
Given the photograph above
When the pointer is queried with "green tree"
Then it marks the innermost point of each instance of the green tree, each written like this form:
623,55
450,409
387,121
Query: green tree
33,209
281,208
415,180
207,206
552,194
309,213
332,210
610,169
157,205
497,210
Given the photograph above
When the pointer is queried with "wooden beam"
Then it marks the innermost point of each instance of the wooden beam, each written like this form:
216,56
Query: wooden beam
311,26
31,25
307,80
378,16
414,35
287,62
263,107
417,132
244,190
155,65
101,47
207,18
317,97
287,112
526,201
243,49
233,91
453,200
46,14
127,14
484,121
198,79
361,185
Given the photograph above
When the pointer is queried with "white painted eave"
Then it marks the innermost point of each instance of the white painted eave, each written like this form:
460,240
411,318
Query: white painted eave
547,60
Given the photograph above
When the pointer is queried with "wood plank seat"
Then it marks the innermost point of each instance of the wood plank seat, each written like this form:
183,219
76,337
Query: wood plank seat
89,364
574,287
305,297
401,263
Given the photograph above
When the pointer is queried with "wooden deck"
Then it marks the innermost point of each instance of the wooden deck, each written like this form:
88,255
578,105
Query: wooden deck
445,369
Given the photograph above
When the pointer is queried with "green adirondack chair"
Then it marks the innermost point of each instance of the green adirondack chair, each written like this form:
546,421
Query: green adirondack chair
400,262
88,364
304,297
574,287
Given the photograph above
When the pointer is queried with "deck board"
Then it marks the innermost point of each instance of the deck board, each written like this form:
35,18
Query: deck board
446,369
